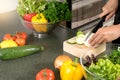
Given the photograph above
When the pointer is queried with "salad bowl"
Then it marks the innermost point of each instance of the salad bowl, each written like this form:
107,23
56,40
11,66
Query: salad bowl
105,66
39,30
42,16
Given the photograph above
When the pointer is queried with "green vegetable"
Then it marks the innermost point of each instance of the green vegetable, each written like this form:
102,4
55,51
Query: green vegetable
57,11
80,39
104,69
80,33
30,6
115,56
54,11
72,40
119,48
20,51
107,67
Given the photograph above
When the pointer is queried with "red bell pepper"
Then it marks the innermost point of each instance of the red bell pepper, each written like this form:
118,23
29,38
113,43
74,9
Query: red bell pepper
28,17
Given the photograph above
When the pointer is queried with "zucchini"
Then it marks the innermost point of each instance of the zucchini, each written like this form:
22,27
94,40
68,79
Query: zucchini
80,39
20,51
79,33
72,40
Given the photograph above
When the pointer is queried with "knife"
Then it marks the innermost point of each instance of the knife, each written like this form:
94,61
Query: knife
99,25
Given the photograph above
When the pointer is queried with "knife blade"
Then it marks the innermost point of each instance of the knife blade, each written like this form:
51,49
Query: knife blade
94,30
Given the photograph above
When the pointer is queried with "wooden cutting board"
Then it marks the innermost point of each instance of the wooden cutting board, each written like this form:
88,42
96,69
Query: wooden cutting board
82,50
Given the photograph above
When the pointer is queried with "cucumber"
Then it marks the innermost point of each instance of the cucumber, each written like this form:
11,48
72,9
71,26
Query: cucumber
20,51
80,39
79,33
72,40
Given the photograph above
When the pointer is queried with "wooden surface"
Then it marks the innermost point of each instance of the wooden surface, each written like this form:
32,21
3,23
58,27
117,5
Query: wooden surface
82,50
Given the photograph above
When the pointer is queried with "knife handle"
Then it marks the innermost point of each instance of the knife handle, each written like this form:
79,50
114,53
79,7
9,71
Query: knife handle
104,17
99,25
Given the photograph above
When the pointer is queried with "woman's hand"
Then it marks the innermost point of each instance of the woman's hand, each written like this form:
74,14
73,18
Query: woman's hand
109,8
105,34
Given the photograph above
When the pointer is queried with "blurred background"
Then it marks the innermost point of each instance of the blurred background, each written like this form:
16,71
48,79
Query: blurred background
7,5
83,11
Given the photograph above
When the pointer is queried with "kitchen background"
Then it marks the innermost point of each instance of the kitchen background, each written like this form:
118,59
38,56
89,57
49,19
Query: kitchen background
83,11
85,14
7,5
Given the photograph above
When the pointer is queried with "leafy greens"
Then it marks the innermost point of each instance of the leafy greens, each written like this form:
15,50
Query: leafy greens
54,11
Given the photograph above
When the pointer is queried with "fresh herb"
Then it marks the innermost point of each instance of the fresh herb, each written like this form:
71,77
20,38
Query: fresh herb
115,56
57,11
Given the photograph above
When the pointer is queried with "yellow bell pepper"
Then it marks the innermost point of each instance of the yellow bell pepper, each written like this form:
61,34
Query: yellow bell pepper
72,71
39,23
8,43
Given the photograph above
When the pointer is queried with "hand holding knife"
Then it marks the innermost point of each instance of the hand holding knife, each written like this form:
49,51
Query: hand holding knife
94,30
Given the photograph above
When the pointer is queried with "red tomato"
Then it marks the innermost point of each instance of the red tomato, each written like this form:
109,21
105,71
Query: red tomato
45,74
28,17
20,41
9,37
21,35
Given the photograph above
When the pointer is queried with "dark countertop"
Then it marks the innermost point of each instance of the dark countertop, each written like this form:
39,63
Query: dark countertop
25,68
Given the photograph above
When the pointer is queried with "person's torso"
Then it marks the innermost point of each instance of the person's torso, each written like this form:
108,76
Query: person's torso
117,21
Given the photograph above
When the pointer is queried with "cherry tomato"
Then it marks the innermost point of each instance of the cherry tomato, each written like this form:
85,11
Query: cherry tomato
21,35
20,41
45,74
28,17
9,37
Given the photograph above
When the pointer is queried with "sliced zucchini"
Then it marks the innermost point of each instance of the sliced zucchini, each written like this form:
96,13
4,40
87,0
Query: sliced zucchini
80,39
79,33
119,48
72,40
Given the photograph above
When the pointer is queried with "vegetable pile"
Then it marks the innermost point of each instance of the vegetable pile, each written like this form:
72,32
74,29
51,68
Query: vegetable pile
12,40
106,67
14,46
53,10
115,57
